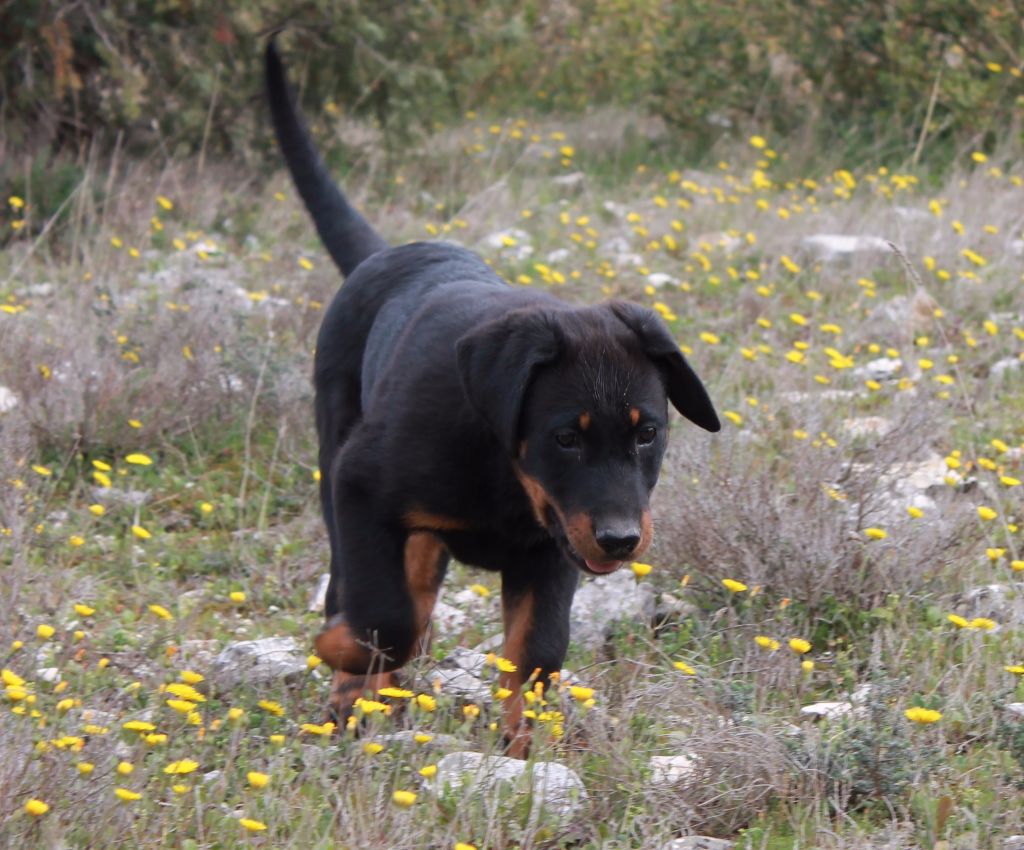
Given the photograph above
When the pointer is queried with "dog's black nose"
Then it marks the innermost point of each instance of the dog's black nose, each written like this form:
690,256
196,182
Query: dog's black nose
618,542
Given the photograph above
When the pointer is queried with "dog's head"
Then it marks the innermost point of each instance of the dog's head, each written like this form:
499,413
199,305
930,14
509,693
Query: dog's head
579,400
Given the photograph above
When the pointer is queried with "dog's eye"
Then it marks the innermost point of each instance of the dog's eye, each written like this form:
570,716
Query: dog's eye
567,439
645,436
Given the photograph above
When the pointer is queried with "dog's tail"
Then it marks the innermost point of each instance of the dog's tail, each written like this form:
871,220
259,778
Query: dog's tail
348,237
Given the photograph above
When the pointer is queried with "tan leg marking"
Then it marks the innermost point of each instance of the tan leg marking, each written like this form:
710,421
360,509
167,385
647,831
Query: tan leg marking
423,552
518,616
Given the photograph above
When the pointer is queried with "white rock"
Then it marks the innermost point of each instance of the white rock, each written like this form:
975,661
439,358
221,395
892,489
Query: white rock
50,675
797,397
603,601
521,246
253,662
868,426
574,180
698,842
1016,708
829,710
459,675
999,368
555,788
659,280
559,255
448,620
318,598
8,400
830,246
882,369
673,769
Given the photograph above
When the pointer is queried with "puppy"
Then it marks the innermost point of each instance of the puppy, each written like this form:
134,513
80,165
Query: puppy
460,417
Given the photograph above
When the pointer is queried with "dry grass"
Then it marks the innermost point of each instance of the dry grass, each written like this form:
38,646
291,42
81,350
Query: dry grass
197,354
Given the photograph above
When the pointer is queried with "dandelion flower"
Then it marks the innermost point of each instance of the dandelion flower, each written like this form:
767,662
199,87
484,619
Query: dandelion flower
404,799
371,748
683,667
271,707
983,623
237,596
427,771
142,534
314,729
257,779
126,795
45,631
252,825
395,693
923,716
85,767
181,705
139,459
36,808
986,513
426,702
733,585
83,610
181,767
183,691
581,694
766,642
875,533
190,677
799,645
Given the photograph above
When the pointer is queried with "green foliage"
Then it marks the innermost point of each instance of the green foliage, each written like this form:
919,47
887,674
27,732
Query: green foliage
187,73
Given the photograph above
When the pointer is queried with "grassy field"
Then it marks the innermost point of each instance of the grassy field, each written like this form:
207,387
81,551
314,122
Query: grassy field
158,502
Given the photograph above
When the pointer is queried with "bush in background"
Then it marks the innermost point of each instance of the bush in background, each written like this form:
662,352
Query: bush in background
186,75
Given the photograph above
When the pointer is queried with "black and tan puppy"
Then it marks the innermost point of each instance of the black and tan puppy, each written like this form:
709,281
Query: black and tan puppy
461,417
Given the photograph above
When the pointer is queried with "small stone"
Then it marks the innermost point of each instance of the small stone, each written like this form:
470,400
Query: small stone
573,180
1015,708
999,368
256,662
603,601
8,400
868,426
833,246
828,710
559,255
318,598
659,280
673,769
698,842
556,789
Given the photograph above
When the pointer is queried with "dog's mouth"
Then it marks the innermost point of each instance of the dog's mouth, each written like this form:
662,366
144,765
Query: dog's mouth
587,565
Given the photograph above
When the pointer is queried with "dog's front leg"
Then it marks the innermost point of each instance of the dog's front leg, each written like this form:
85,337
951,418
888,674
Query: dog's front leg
536,599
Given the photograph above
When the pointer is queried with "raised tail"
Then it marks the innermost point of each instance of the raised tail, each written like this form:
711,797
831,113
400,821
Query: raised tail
348,237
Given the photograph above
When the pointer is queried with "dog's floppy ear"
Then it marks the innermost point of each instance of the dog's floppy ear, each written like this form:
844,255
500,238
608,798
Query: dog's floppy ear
685,390
496,363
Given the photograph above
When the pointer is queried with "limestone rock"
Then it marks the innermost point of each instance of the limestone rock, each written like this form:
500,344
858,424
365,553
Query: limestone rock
257,662
603,601
555,788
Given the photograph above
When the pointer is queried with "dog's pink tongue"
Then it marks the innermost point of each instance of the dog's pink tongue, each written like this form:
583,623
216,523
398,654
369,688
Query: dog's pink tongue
609,567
